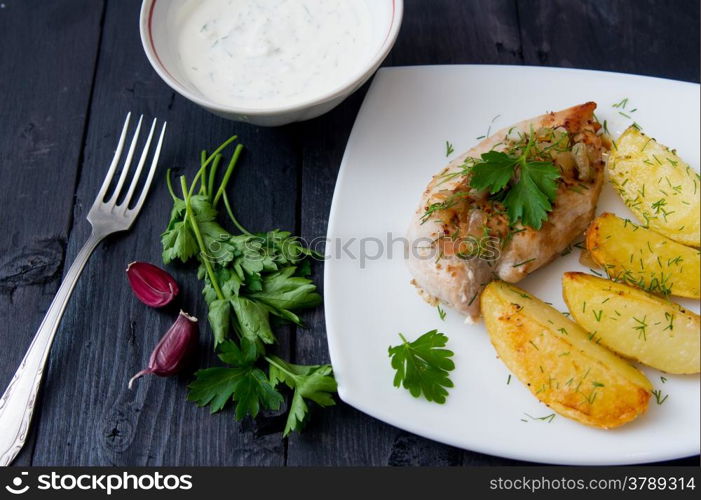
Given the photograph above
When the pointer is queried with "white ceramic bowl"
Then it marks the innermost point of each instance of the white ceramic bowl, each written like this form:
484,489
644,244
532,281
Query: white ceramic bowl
158,36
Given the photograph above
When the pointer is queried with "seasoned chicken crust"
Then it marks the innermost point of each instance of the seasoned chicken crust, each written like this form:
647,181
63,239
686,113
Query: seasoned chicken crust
458,249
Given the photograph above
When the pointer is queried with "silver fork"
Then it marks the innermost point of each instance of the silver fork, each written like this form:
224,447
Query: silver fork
105,217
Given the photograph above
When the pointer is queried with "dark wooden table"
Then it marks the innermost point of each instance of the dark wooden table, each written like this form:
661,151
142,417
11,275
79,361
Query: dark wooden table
69,72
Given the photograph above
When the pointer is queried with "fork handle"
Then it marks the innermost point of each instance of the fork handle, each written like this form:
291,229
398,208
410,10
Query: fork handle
17,403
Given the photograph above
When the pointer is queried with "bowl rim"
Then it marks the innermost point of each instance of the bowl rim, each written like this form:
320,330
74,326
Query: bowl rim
145,22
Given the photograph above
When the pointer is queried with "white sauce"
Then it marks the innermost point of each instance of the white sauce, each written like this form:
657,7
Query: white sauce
269,53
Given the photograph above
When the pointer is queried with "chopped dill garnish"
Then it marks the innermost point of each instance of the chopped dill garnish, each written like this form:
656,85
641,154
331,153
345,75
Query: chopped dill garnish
670,318
450,202
597,273
641,327
658,396
546,418
441,312
489,129
448,149
621,104
592,397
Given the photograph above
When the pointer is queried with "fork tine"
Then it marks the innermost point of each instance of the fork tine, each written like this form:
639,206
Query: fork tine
151,172
115,160
127,163
140,166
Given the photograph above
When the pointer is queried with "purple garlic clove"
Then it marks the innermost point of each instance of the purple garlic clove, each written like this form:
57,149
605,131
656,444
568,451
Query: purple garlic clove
151,285
172,351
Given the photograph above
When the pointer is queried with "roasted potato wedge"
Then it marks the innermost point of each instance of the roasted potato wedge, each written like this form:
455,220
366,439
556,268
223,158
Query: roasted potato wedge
657,185
634,323
556,359
643,258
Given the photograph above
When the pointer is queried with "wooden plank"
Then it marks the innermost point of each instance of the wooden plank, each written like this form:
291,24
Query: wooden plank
46,62
436,32
458,32
89,417
649,37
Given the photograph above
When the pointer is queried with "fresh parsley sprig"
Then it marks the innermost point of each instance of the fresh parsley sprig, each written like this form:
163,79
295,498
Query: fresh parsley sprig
314,383
526,187
423,366
250,279
242,382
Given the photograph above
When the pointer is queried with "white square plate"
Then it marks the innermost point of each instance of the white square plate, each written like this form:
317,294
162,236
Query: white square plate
397,144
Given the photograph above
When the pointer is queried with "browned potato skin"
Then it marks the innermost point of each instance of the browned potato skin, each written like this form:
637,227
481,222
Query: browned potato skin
576,377
608,310
647,173
658,264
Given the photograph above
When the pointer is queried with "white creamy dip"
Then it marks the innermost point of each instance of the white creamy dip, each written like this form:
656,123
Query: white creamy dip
270,53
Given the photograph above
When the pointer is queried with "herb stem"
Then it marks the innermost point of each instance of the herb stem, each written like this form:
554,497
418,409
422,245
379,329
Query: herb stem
279,366
199,177
220,149
238,225
227,174
204,163
212,175
198,236
203,185
169,182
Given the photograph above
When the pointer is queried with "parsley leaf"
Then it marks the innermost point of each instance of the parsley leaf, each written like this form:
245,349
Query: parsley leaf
283,292
544,174
533,187
529,199
423,366
313,382
178,243
218,316
253,319
241,382
178,240
494,172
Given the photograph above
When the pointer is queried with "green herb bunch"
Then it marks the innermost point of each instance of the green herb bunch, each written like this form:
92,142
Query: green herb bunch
251,280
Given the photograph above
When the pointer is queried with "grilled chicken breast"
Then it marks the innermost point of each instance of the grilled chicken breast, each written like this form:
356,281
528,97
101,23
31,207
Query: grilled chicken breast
462,238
